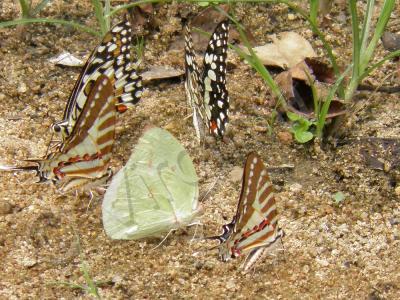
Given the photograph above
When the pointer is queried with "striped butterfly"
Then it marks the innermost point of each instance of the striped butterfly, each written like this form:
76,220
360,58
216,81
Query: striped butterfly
112,59
81,161
206,92
254,228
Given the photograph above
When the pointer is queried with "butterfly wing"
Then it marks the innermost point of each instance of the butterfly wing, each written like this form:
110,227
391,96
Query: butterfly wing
192,83
215,94
255,224
155,192
87,151
110,58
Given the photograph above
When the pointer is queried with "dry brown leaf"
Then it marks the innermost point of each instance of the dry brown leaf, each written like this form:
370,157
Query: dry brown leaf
160,73
296,88
285,52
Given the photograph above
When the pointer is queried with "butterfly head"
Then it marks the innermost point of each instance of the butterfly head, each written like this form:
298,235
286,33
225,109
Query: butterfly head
61,128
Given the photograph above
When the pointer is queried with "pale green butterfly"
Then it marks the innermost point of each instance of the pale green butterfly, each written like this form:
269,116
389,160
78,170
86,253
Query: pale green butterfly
157,191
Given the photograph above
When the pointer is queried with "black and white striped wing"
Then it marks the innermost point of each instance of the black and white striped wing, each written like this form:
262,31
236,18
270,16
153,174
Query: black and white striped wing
111,58
215,94
194,95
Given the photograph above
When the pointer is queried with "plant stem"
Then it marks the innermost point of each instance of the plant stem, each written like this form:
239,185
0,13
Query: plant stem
51,21
314,4
25,8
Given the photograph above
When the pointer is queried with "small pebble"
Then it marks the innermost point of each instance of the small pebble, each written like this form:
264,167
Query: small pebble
236,174
295,187
260,129
5,208
394,221
291,17
391,41
285,137
397,190
231,284
22,88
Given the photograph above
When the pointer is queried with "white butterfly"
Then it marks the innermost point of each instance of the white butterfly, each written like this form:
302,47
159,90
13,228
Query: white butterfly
155,192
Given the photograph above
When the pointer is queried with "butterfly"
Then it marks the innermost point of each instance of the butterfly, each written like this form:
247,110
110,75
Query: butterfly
81,161
111,58
254,228
206,91
155,192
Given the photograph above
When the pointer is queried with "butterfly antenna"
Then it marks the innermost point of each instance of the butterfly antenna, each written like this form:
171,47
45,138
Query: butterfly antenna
91,194
194,235
163,240
209,190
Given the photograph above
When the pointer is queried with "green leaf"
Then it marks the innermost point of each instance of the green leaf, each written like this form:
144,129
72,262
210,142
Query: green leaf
303,136
293,117
204,3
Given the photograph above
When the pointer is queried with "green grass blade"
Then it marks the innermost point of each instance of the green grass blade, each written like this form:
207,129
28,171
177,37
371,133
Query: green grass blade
366,25
314,4
379,63
327,103
107,8
91,285
356,38
68,284
119,8
50,21
25,8
139,49
99,12
383,19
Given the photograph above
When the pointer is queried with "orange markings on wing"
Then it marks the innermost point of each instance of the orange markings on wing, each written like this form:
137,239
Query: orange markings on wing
213,126
121,108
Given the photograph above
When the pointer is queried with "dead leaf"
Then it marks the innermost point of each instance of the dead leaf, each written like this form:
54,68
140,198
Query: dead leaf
321,71
140,15
161,73
296,88
66,59
285,52
206,21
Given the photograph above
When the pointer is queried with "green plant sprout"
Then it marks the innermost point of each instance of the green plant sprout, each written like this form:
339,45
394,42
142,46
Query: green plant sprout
101,13
302,128
28,11
91,286
338,198
139,49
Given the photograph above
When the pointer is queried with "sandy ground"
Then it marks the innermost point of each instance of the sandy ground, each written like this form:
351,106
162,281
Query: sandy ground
331,251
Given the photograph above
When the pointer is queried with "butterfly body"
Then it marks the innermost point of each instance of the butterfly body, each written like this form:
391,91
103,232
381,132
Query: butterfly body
206,89
254,228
